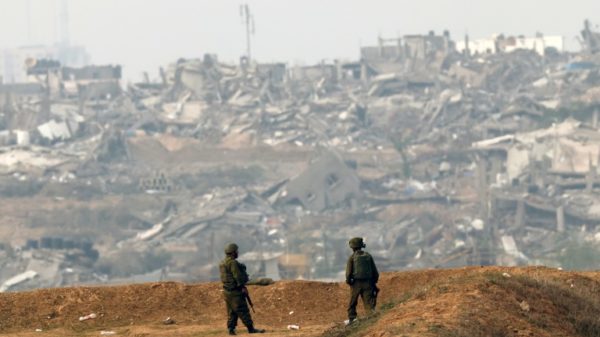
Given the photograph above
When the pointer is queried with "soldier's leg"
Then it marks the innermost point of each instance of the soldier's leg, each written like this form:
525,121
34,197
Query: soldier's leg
354,293
368,297
232,316
375,295
242,311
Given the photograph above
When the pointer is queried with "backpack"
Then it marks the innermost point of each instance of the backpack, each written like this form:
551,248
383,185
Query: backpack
245,276
362,266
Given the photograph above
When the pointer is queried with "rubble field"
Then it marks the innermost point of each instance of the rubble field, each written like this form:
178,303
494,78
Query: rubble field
439,151
471,301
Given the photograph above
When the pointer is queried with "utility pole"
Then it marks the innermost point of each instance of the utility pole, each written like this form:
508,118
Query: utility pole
248,21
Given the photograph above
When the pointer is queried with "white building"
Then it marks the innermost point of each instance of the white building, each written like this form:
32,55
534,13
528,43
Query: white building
479,46
498,44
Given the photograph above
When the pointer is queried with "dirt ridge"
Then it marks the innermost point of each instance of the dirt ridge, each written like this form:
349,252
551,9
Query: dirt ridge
473,301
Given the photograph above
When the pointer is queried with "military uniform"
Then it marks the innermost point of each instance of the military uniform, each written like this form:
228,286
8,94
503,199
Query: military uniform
364,286
234,278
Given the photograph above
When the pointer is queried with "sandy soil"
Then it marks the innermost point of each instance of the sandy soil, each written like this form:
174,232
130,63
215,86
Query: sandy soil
417,303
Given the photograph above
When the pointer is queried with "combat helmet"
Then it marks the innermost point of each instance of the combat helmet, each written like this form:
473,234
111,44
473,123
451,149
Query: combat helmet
231,248
356,243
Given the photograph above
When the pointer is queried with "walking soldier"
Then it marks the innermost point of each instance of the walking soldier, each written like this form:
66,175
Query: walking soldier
362,277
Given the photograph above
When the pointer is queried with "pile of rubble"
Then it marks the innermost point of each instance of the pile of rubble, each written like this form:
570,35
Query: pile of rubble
436,152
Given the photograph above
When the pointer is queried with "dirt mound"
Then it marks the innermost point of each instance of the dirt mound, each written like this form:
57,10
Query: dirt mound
490,301
283,303
487,301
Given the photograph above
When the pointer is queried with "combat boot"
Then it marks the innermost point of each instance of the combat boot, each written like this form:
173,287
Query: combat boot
251,329
232,332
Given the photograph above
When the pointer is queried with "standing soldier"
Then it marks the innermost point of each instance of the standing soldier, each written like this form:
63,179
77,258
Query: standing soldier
234,278
362,276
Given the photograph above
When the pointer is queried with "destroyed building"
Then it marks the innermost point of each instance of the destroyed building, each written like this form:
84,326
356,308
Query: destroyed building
409,47
506,44
328,182
438,157
591,39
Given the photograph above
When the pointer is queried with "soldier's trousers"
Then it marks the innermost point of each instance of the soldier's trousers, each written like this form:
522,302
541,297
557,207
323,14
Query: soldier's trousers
237,307
366,290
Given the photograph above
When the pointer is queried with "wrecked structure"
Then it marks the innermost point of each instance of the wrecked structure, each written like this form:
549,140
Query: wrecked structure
327,183
505,44
437,157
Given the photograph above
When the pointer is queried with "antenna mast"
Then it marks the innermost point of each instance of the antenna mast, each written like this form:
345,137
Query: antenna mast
248,21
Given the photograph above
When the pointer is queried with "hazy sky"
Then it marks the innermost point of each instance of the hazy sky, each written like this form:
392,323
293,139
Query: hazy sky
143,34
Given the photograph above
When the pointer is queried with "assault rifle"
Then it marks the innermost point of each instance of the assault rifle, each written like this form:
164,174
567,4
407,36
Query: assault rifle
247,296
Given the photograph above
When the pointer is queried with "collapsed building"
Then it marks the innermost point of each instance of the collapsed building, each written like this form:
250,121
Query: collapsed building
438,157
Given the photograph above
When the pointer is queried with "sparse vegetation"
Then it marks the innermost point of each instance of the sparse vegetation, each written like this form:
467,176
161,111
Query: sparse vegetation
362,324
576,301
469,330
468,302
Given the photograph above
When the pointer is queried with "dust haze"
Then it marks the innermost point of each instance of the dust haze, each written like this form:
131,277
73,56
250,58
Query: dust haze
138,138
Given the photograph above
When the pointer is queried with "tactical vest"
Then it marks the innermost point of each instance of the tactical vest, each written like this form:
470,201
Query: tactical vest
227,278
362,266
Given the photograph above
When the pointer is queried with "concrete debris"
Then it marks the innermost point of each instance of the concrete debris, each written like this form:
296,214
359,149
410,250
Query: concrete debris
15,280
328,182
87,317
54,130
441,153
510,247
155,230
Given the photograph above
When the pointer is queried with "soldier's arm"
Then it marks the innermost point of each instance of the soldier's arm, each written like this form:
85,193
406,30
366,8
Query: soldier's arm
237,274
375,272
349,266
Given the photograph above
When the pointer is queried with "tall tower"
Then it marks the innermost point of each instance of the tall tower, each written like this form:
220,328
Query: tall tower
248,21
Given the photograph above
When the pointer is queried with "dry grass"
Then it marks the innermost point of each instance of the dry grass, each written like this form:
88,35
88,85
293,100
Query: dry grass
361,325
576,302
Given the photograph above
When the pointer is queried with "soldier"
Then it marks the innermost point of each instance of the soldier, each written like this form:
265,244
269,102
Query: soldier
362,276
234,278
